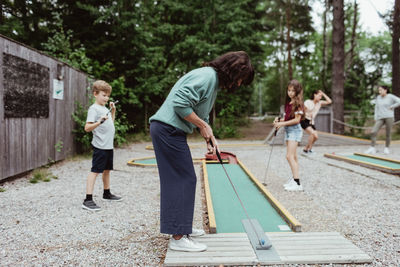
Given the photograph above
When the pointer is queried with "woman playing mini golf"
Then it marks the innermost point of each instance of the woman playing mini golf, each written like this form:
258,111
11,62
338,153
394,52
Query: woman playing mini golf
385,103
187,107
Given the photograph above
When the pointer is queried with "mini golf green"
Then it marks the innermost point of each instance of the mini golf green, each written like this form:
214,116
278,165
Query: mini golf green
227,209
371,161
151,161
382,162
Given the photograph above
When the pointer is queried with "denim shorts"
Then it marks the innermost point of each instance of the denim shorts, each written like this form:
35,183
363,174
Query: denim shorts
293,133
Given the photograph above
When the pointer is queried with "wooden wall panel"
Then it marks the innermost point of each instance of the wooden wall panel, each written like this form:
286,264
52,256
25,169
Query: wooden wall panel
2,122
28,143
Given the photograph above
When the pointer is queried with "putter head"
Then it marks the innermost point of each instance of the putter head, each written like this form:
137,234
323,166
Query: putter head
263,245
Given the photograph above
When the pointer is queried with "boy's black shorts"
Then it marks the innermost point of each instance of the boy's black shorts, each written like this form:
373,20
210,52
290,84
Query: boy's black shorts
102,160
306,123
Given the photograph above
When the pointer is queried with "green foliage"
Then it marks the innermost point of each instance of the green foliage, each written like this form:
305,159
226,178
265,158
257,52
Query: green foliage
81,136
41,174
226,123
2,189
143,47
59,146
359,118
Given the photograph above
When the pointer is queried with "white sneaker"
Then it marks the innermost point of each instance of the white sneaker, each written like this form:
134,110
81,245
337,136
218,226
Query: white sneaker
386,150
289,183
294,187
197,232
186,244
370,150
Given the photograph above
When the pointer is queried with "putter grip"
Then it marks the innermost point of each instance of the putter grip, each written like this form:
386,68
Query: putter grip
216,151
276,129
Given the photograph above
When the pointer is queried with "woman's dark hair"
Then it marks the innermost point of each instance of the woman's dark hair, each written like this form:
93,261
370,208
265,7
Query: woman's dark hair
298,99
231,67
313,93
385,87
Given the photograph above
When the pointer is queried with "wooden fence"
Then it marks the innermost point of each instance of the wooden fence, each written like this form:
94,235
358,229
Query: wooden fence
37,97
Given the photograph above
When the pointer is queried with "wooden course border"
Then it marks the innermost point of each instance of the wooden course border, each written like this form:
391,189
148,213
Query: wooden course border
212,225
150,147
367,164
133,162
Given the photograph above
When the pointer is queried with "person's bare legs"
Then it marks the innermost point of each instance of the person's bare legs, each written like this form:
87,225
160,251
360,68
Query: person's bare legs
291,156
106,179
91,179
312,137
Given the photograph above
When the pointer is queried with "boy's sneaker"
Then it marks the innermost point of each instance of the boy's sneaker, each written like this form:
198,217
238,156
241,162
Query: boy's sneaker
197,232
90,205
386,150
112,197
370,150
186,244
294,187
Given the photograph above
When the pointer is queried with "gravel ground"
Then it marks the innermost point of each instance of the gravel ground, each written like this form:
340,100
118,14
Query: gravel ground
43,224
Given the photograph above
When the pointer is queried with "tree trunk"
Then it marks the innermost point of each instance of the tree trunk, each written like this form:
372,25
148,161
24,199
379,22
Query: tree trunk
288,41
324,49
396,54
338,65
1,14
353,40
282,88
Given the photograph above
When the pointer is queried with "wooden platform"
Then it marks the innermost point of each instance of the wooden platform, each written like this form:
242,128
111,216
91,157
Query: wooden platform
292,248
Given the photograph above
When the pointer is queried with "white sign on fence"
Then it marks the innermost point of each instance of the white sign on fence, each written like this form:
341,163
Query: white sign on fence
58,89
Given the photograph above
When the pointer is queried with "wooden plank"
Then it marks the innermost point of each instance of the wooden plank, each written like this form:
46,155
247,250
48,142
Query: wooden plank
321,259
312,246
236,261
176,254
212,225
69,92
3,156
315,251
291,234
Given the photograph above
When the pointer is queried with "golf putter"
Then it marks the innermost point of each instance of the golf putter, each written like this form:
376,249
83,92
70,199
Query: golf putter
270,153
109,111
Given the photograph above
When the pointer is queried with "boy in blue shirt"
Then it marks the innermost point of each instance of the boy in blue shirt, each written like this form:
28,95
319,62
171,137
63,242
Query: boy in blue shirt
100,121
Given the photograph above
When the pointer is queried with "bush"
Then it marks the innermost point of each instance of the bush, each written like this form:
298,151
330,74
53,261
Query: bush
227,127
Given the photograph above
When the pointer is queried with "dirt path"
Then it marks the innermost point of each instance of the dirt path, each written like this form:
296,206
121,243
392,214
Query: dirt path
256,130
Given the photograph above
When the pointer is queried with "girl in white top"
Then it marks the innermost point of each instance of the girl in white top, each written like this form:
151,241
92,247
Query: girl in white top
385,104
312,107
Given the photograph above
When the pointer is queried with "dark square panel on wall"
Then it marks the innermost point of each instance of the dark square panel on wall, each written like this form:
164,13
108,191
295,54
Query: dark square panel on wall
26,88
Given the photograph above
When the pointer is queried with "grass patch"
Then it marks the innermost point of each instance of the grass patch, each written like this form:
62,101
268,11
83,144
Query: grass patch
41,174
2,189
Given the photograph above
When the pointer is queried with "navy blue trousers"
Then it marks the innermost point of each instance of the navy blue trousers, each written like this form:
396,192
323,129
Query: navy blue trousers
177,178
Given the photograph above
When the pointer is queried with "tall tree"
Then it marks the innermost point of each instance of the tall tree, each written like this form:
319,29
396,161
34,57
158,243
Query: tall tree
325,46
395,53
338,61
288,40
